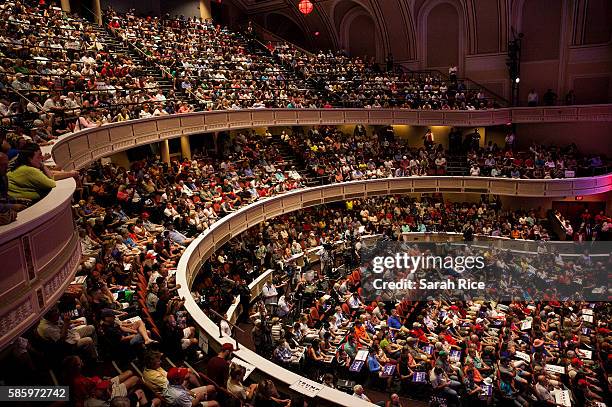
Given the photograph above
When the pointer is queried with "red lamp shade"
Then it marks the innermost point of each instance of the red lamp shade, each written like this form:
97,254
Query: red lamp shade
305,6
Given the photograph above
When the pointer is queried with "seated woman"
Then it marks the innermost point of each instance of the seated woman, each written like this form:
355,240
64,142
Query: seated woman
30,178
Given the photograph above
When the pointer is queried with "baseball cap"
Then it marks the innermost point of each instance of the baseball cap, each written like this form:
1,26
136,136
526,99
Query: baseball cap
227,346
177,373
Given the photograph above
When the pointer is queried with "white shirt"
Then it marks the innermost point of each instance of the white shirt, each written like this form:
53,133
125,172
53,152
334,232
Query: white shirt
226,329
269,293
354,302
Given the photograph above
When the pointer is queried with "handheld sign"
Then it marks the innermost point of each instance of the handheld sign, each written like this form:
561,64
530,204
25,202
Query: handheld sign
584,354
388,370
526,325
455,355
555,369
362,355
523,356
562,397
419,377
487,390
356,366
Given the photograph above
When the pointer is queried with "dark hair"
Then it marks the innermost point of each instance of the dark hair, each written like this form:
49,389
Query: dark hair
26,153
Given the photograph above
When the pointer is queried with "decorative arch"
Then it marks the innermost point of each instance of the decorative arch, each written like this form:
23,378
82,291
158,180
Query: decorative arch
423,29
358,33
344,12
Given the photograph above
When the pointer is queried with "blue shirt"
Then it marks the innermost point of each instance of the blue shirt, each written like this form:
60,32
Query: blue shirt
177,237
177,396
373,364
394,322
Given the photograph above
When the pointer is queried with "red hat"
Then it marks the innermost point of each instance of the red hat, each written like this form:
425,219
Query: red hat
369,308
582,382
576,361
177,373
227,346
100,384
603,330
454,308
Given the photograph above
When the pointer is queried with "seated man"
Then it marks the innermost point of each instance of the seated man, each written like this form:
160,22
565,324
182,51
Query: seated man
282,352
443,385
105,391
66,331
177,395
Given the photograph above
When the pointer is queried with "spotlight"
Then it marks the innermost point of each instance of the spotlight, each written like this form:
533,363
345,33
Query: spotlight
517,80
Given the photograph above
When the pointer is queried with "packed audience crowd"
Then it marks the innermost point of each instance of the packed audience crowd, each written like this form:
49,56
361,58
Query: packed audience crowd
218,68
356,82
59,74
314,318
134,225
335,156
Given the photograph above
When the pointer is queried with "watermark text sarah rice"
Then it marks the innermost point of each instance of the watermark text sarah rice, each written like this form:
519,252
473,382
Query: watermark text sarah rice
411,263
424,284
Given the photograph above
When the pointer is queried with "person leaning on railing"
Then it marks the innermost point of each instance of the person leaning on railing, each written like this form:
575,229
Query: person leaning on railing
29,178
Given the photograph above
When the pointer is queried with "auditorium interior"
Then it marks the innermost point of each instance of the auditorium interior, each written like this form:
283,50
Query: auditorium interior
291,203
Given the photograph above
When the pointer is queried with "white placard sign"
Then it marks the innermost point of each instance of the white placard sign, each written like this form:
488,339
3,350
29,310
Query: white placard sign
587,311
523,356
555,369
526,324
587,318
307,387
362,355
249,367
562,397
584,354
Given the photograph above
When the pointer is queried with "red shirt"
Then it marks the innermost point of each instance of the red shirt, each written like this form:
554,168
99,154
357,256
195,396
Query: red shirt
218,370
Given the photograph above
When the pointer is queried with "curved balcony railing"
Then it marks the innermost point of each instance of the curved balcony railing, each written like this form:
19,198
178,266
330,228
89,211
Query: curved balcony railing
79,149
39,268
40,253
